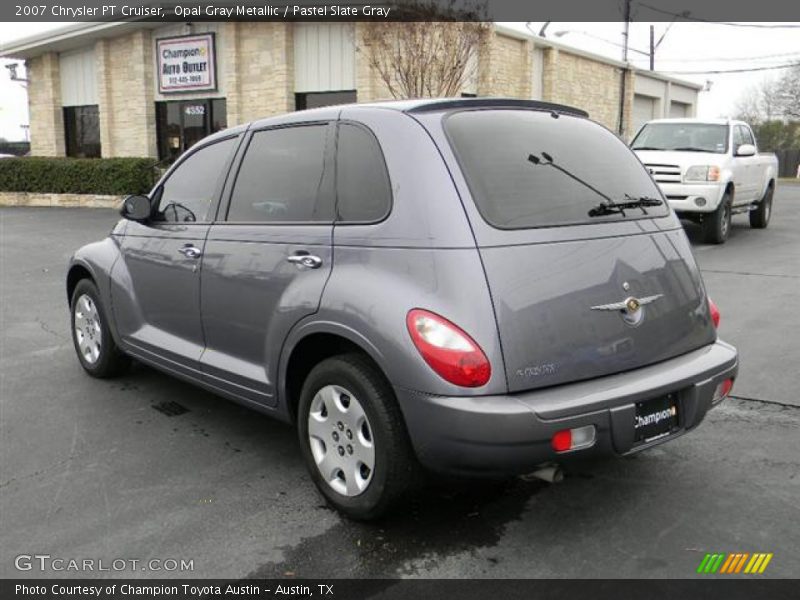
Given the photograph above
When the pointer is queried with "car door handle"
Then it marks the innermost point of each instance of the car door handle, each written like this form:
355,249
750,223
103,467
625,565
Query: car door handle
305,260
191,251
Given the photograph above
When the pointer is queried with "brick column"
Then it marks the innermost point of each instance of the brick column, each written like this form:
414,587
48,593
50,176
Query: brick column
230,62
265,69
627,106
550,74
104,104
44,106
130,100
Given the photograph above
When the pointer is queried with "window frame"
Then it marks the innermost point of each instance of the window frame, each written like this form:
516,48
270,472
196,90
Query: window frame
382,156
328,175
213,209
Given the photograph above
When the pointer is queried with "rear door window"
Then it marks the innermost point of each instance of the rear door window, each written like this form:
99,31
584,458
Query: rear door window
281,178
580,165
363,193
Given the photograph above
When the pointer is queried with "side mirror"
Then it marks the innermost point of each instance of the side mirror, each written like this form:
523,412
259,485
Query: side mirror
746,150
136,208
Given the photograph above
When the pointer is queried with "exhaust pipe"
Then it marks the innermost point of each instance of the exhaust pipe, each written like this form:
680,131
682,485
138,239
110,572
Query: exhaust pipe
548,473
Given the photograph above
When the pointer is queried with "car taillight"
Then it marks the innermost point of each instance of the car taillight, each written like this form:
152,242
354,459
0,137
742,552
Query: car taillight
447,349
714,313
573,439
722,391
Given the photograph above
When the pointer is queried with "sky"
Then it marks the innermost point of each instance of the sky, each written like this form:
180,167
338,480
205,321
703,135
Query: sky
685,47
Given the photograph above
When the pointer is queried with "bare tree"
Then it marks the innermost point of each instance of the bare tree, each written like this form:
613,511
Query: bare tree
748,105
788,94
433,57
772,107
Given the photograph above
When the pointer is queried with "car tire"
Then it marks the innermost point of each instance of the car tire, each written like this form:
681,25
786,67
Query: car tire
353,437
97,351
717,225
759,217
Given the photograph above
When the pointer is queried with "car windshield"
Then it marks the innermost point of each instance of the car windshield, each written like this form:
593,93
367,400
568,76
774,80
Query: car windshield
528,168
689,137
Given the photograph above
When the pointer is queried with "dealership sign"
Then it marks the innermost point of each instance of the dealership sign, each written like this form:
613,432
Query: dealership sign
186,63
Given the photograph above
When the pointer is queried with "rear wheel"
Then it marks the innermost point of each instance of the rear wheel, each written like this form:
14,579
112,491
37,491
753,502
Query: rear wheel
353,437
96,349
717,225
759,218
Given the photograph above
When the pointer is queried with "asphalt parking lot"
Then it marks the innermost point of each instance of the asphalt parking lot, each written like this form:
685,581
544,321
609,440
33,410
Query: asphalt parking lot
93,469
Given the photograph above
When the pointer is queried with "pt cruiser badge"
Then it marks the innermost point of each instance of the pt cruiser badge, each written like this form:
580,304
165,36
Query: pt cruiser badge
631,308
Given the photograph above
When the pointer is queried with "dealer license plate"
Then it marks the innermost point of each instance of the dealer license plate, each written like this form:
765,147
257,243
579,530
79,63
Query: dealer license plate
655,418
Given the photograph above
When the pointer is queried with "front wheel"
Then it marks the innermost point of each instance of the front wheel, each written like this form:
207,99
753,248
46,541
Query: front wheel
353,437
717,225
759,218
96,349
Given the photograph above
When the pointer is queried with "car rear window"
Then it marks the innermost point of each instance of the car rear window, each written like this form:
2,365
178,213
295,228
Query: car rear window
581,164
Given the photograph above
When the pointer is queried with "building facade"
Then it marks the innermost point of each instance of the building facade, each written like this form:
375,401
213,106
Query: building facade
138,89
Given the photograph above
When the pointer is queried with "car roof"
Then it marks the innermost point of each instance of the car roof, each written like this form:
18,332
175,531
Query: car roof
417,106
425,105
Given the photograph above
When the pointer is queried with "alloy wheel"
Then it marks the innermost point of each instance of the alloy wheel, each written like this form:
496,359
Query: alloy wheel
88,333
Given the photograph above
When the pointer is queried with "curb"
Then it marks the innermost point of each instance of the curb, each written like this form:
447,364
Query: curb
60,200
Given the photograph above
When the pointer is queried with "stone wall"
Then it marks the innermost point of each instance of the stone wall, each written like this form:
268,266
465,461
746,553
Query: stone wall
264,70
505,67
125,95
256,63
44,105
589,84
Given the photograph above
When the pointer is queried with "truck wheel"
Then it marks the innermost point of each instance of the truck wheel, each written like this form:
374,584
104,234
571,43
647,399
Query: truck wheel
759,218
353,437
717,225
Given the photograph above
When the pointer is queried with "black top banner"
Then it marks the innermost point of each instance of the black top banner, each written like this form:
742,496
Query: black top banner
403,10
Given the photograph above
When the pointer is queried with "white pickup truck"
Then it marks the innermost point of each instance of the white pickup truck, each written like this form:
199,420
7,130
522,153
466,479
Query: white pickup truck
709,170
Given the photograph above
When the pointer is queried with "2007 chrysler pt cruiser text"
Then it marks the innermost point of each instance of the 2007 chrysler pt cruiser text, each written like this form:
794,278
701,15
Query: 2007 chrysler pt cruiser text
480,287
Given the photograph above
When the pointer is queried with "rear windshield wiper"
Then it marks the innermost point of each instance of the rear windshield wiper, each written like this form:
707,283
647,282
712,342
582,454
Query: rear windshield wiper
548,161
646,148
612,208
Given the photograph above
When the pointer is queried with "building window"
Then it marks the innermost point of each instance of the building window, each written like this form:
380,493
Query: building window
318,99
183,123
82,131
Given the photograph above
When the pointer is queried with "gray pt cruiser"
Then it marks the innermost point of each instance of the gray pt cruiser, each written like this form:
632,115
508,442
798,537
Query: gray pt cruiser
481,287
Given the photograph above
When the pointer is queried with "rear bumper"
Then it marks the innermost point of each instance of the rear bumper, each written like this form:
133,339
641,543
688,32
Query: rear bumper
509,435
683,197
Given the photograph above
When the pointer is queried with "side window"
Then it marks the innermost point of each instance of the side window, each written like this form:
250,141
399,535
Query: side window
738,137
189,192
747,135
363,191
281,178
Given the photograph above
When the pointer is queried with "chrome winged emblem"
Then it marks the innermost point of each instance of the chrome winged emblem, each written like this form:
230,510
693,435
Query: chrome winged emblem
629,304
632,308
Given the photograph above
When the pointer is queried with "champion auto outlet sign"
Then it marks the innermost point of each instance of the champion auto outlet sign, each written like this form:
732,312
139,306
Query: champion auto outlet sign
186,63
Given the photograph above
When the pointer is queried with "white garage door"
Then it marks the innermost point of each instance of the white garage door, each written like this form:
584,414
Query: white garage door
644,109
